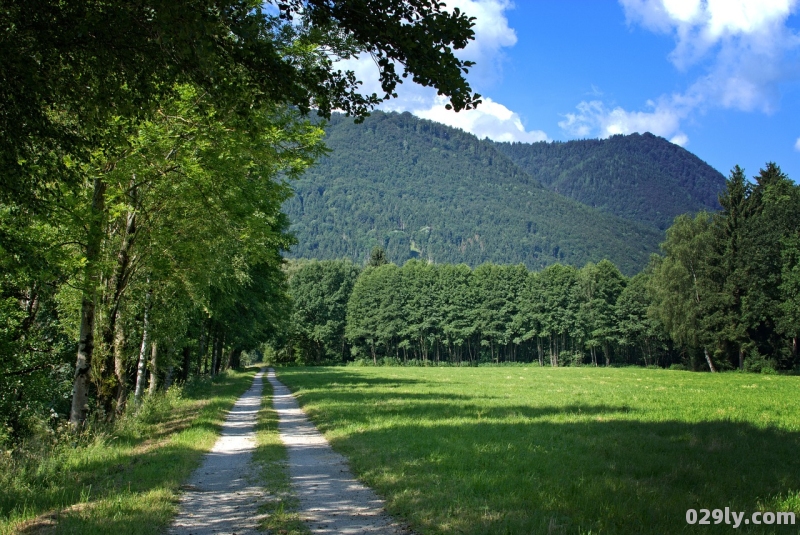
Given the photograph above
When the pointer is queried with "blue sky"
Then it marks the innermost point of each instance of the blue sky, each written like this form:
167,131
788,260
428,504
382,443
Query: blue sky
719,77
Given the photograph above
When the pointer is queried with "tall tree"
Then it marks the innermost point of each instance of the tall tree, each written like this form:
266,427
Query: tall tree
682,286
190,161
319,292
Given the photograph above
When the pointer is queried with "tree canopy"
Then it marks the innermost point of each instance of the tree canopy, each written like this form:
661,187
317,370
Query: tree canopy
69,69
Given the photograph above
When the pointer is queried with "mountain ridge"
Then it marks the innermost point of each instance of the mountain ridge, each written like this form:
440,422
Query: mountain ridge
424,190
643,167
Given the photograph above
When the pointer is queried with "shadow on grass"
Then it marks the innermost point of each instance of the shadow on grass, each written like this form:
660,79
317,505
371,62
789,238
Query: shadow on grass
449,466
333,377
601,476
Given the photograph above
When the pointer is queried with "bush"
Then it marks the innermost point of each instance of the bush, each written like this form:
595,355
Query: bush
757,363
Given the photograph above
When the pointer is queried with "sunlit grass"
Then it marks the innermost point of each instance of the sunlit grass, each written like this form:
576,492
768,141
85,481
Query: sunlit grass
568,450
125,479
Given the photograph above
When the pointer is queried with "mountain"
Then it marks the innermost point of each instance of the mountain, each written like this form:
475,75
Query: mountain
640,177
424,190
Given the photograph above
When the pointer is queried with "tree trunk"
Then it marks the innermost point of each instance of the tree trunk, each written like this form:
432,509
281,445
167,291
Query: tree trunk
219,344
153,368
607,354
113,336
119,368
221,353
187,363
201,362
80,389
142,365
236,358
539,351
215,354
168,377
709,361
741,358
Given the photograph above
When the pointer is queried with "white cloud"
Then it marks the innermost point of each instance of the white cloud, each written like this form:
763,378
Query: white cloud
797,144
490,119
595,118
680,139
492,35
744,46
743,52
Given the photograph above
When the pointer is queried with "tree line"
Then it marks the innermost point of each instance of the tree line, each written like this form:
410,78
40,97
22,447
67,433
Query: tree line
724,294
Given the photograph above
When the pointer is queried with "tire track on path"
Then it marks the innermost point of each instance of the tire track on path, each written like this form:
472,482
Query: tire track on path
331,499
222,496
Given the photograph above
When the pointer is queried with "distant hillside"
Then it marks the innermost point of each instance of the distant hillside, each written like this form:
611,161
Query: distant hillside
643,178
421,189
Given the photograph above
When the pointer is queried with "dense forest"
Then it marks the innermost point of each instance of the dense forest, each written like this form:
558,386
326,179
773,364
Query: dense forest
725,294
423,190
640,177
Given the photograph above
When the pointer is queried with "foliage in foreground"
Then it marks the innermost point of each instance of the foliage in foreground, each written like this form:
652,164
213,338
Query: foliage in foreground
569,450
120,478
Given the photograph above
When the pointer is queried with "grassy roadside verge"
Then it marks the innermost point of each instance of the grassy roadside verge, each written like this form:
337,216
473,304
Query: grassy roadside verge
125,480
569,450
271,457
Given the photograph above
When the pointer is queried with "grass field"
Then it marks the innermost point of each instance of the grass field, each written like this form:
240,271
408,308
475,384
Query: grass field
565,450
125,480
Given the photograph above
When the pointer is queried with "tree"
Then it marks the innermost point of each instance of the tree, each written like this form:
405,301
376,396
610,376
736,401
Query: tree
191,161
319,292
556,308
681,285
599,287
377,257
81,77
773,204
375,311
730,226
634,326
71,68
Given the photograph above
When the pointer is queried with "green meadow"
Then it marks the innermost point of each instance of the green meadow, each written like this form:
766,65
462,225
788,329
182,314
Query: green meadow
562,450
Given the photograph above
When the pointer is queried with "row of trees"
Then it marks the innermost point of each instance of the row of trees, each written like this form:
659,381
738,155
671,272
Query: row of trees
725,294
728,284
501,313
145,149
165,261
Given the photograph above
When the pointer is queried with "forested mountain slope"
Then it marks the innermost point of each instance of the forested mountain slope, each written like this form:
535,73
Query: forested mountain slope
640,177
421,189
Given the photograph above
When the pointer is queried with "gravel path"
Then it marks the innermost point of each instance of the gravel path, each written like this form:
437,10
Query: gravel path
220,498
331,500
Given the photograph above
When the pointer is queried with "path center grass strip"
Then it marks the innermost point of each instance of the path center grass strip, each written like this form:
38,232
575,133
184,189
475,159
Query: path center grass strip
565,450
271,458
126,481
